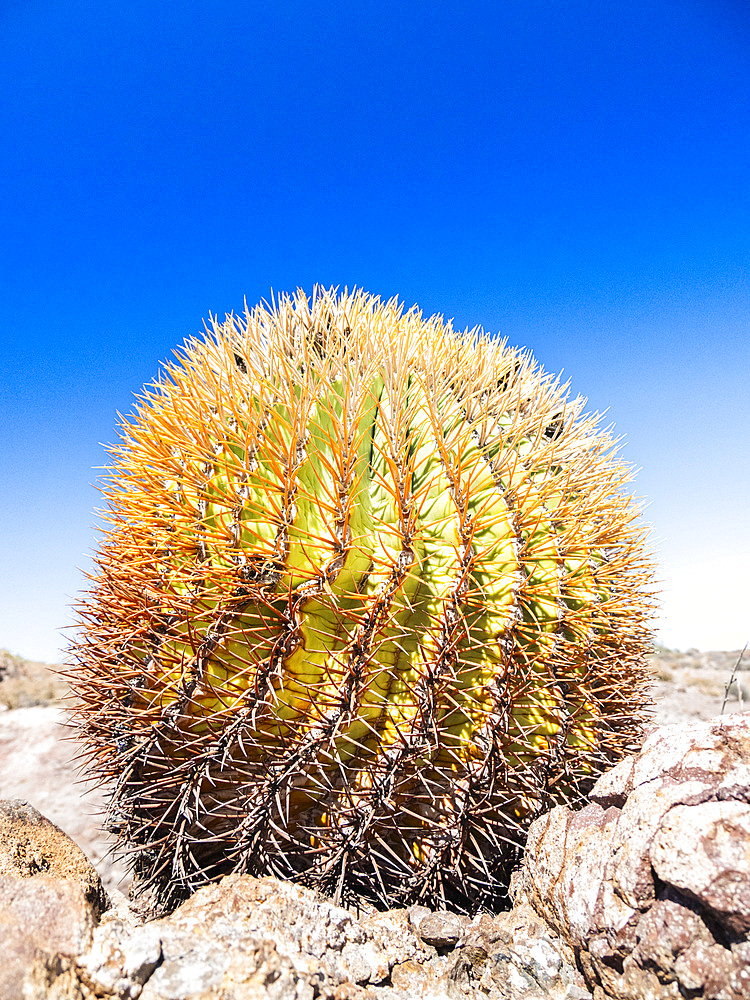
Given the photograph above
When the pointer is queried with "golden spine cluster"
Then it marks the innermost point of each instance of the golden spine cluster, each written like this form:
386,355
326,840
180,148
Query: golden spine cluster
371,597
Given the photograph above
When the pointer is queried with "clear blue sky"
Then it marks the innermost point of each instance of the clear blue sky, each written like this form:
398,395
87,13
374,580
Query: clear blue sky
574,175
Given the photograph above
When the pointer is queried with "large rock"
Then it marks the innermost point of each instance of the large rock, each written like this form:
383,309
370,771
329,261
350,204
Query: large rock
45,923
261,938
31,845
248,939
50,900
650,883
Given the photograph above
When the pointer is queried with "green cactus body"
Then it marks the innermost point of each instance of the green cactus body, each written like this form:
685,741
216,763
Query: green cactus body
371,598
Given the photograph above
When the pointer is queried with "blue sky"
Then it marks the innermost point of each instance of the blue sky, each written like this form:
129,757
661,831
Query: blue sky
575,176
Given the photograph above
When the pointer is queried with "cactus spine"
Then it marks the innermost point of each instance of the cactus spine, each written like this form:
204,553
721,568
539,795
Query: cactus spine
371,597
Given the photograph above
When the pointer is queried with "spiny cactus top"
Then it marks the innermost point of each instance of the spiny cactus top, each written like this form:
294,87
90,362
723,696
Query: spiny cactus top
370,598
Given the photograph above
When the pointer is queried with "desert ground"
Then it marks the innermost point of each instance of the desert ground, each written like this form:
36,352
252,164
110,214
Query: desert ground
38,751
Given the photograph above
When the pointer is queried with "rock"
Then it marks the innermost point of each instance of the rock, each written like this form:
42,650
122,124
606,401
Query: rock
31,845
44,923
261,939
655,905
650,883
315,941
704,852
525,960
122,957
441,929
50,900
248,938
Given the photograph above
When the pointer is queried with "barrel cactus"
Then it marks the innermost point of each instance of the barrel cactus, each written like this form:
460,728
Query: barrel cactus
371,596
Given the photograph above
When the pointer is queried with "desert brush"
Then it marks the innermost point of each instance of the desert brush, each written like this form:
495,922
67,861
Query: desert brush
371,596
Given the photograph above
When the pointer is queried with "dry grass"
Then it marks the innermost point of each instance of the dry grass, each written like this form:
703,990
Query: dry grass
24,683
696,676
698,685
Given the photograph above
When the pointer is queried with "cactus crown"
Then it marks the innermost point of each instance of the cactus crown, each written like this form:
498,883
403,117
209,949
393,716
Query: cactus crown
370,598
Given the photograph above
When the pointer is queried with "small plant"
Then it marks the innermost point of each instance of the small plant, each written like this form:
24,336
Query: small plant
732,681
371,597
